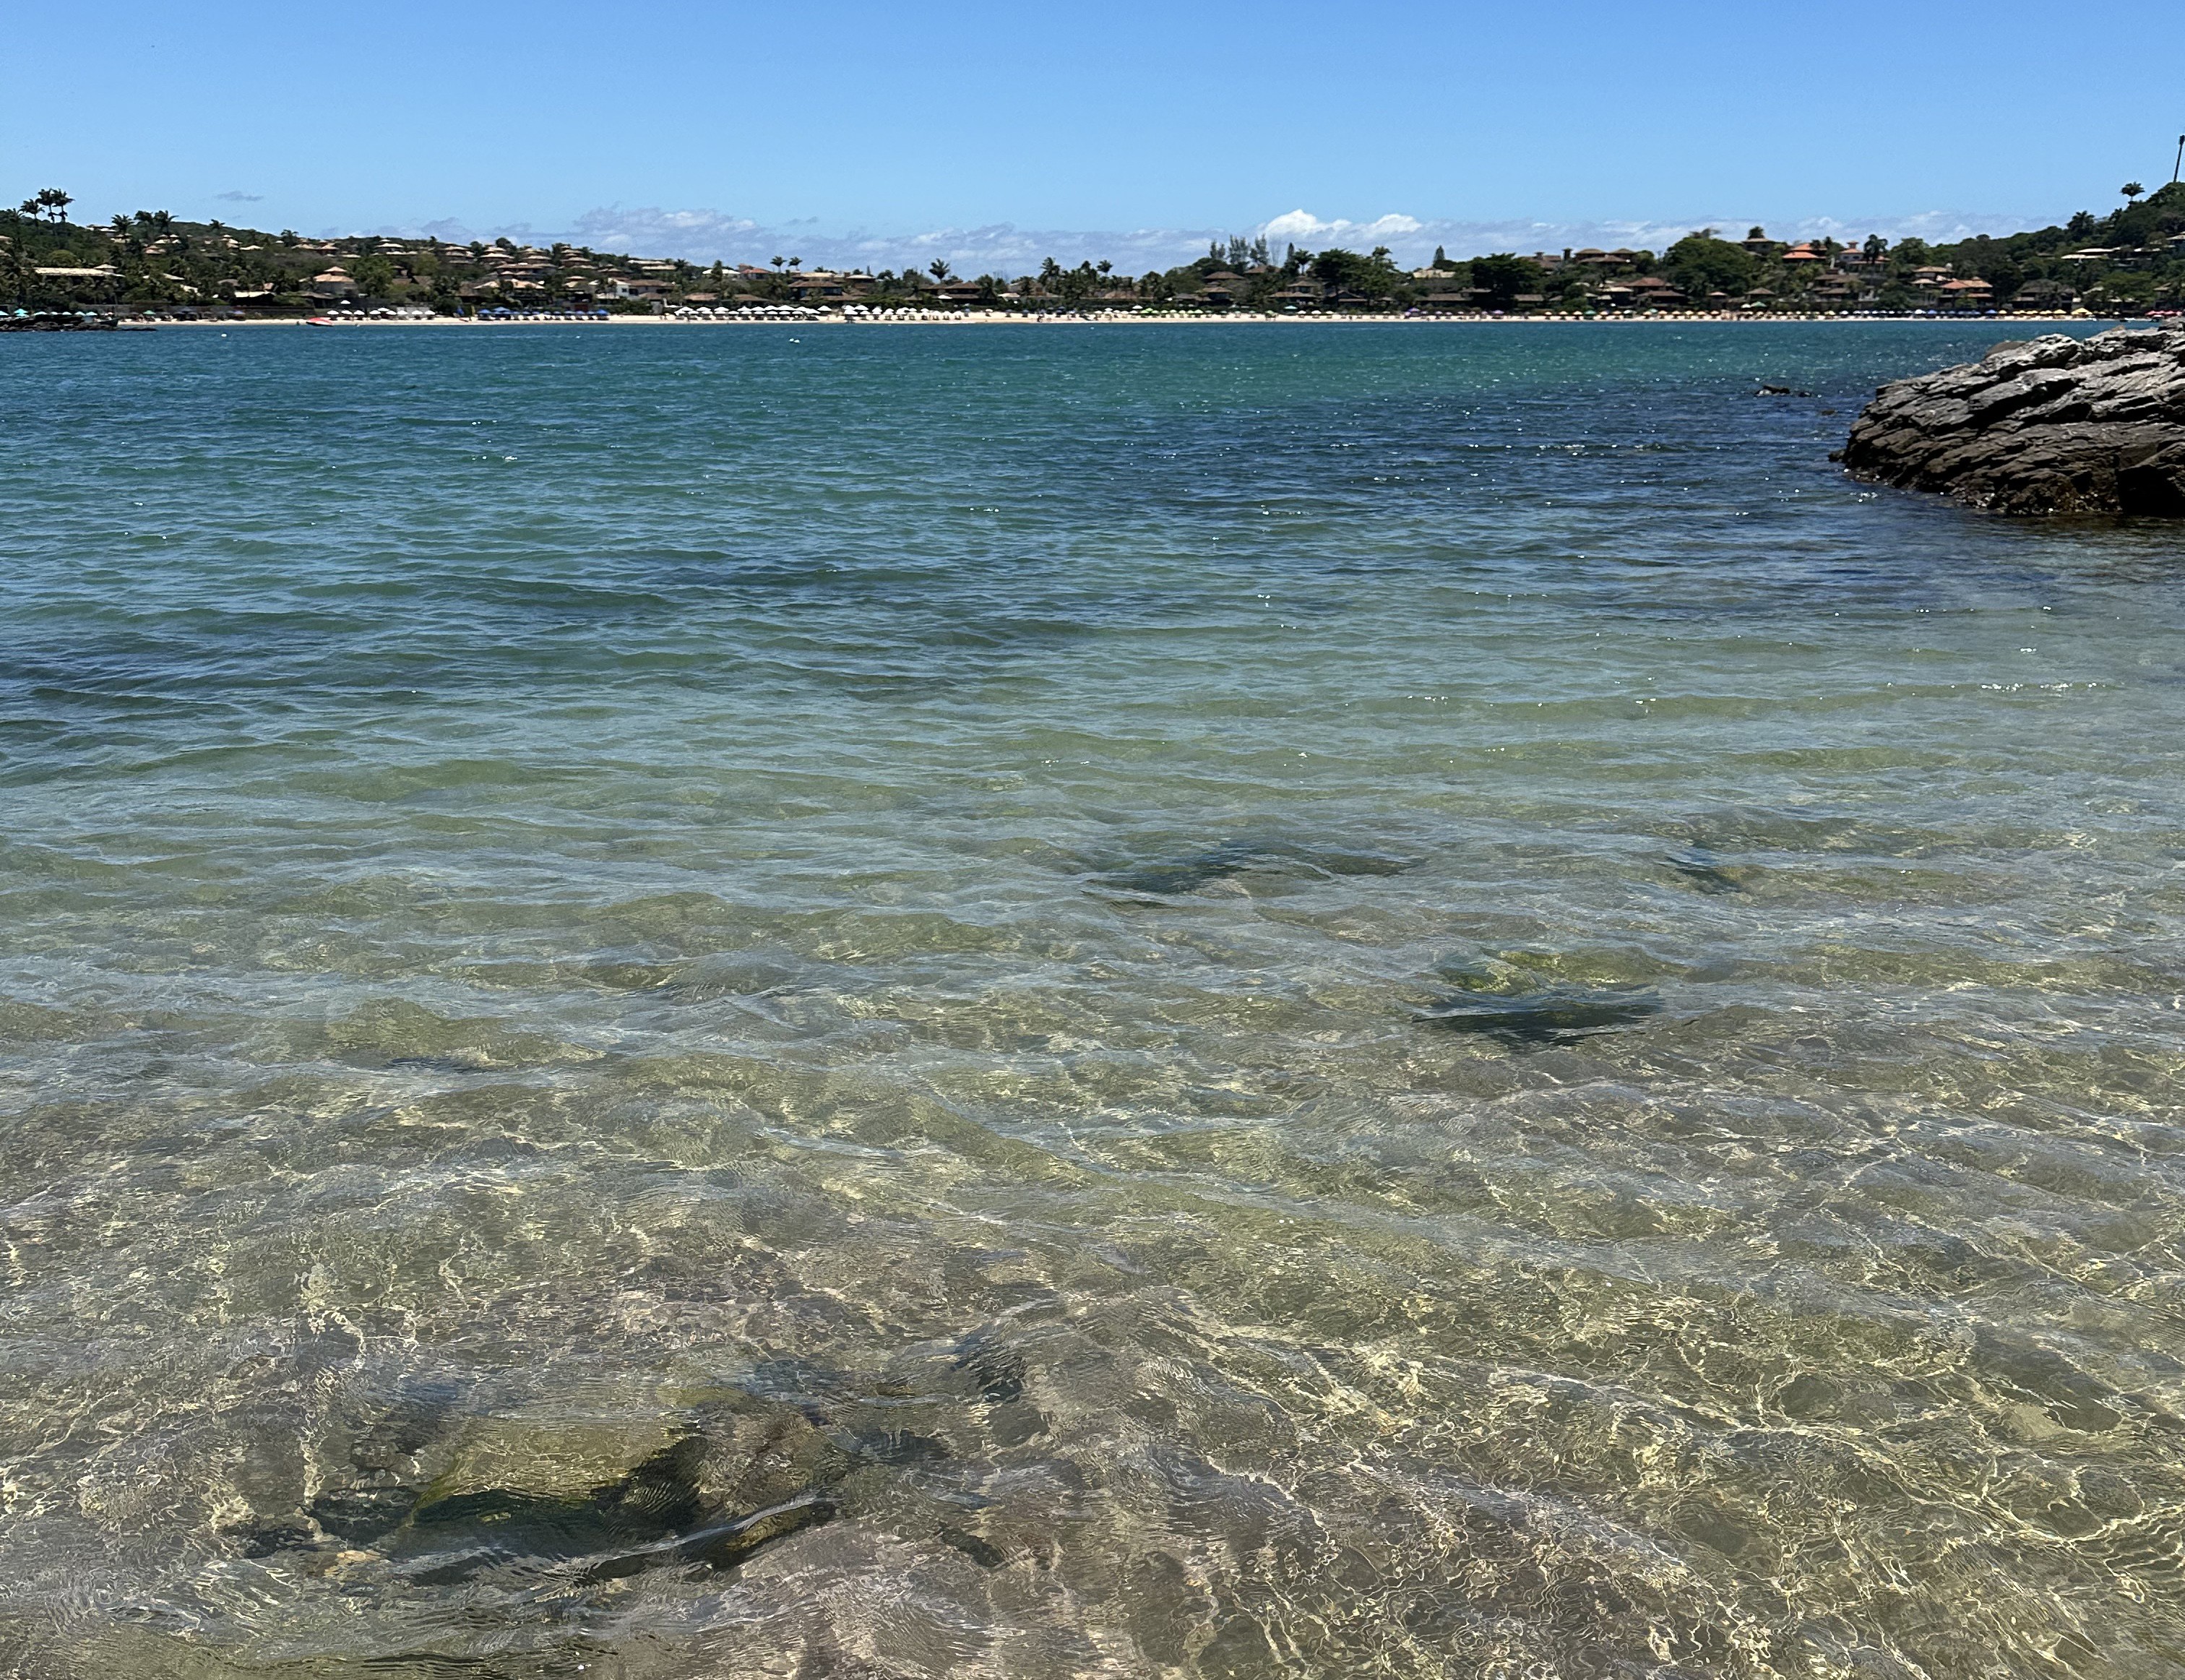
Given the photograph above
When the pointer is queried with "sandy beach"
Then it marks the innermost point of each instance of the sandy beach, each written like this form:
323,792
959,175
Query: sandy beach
1151,318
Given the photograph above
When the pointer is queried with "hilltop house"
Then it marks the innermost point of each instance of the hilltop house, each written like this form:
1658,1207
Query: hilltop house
824,286
1222,286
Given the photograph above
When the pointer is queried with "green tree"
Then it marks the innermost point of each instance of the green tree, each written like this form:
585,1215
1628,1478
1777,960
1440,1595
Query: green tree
1699,263
374,276
1504,277
1075,285
1910,254
2131,190
1372,277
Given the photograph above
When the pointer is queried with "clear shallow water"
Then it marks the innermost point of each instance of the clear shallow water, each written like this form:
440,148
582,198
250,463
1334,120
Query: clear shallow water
1108,1003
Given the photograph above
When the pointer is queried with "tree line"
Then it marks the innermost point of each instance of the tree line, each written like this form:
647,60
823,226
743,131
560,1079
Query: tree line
152,258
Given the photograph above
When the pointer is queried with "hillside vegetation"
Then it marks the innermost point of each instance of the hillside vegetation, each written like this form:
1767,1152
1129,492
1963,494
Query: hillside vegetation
2129,261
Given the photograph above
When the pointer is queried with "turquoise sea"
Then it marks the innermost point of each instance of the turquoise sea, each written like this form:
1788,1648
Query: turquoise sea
1017,1001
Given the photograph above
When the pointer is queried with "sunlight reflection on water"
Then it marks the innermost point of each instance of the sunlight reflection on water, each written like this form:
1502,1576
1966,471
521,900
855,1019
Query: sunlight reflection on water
1323,1000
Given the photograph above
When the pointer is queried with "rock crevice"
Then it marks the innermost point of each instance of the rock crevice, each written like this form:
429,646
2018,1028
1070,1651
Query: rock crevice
2055,425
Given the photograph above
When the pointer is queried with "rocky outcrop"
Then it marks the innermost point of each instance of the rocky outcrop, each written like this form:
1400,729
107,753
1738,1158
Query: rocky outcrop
2055,425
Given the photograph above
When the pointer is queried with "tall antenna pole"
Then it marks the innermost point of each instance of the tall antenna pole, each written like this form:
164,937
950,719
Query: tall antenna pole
2180,164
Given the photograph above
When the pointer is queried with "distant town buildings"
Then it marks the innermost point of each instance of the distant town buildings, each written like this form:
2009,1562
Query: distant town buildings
152,261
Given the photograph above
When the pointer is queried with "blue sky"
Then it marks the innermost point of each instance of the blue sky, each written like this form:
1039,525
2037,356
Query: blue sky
740,131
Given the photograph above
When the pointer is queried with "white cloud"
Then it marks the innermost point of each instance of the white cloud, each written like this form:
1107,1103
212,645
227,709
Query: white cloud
1303,227
238,197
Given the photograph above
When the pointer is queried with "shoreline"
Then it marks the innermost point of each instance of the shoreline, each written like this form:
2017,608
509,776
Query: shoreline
997,318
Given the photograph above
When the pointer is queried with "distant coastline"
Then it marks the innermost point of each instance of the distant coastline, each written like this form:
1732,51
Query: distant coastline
149,264
1133,318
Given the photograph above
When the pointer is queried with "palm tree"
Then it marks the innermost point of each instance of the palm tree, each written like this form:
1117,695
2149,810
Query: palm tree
938,268
2131,189
120,224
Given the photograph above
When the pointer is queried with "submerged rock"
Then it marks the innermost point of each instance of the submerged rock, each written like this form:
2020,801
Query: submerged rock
1702,874
2057,425
1547,1016
614,1500
1172,878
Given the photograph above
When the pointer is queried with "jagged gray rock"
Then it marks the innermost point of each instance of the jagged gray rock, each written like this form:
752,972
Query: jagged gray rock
2055,425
